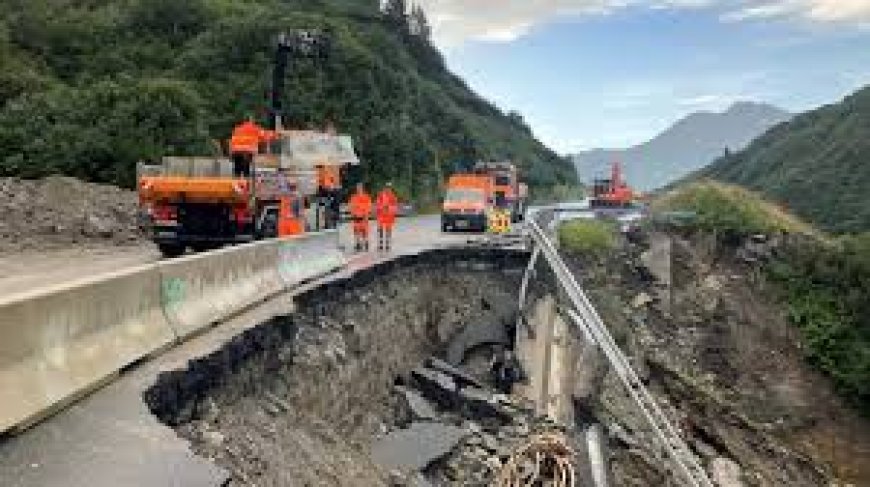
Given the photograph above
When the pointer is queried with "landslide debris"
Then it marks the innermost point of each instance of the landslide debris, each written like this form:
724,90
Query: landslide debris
310,398
59,211
710,336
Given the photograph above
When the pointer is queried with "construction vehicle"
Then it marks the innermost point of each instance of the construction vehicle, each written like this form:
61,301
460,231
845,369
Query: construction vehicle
275,182
467,202
613,192
509,193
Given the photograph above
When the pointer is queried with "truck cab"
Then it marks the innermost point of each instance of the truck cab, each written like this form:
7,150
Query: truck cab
467,202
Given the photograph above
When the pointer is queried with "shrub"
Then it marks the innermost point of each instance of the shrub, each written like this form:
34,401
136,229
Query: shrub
828,294
587,236
730,210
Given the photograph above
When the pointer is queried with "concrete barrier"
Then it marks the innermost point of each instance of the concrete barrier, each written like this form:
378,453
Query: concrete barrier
308,256
58,343
200,290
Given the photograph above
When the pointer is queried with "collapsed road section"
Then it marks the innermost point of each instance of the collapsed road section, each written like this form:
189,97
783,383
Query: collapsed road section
355,388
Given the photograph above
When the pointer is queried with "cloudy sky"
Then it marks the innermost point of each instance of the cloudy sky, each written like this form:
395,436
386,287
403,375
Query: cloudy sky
611,73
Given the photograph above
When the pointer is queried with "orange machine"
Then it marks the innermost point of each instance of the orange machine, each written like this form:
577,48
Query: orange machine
613,192
509,193
467,202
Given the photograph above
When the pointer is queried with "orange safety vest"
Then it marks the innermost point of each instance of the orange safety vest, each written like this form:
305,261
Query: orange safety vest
387,207
360,205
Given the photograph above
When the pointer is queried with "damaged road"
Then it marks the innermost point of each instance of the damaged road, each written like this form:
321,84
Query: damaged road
354,387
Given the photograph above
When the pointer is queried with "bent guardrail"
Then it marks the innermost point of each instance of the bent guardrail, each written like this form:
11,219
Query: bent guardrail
586,318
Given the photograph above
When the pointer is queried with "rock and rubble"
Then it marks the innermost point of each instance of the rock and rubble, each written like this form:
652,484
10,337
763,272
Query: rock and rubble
60,211
711,340
468,440
306,399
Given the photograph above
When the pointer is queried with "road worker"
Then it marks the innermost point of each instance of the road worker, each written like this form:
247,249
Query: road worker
387,206
360,206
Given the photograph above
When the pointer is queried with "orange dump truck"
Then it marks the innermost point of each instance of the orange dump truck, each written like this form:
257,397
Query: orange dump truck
467,202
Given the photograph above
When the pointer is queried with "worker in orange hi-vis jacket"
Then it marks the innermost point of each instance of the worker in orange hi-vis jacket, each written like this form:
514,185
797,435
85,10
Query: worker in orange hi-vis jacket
387,207
360,206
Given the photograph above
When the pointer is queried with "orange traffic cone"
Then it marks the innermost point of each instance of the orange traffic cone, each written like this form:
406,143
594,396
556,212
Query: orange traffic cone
289,223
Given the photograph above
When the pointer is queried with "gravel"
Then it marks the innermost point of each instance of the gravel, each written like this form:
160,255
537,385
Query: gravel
58,212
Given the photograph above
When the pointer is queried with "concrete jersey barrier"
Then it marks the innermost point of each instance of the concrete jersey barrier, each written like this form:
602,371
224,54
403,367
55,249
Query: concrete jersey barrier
57,344
200,290
309,256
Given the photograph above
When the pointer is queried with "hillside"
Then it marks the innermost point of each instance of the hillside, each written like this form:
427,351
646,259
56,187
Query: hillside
87,88
818,165
686,146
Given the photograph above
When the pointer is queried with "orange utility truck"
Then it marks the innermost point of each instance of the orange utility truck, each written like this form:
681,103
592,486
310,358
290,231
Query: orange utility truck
508,192
270,186
467,202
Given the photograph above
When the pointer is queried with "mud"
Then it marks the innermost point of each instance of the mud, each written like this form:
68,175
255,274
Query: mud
300,399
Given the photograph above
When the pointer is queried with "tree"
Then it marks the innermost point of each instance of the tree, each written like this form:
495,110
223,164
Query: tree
418,24
396,12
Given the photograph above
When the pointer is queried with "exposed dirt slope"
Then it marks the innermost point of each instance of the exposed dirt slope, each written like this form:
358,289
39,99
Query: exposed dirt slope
59,212
717,349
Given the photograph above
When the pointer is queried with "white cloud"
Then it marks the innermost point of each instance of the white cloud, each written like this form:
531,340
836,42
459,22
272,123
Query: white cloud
824,11
456,21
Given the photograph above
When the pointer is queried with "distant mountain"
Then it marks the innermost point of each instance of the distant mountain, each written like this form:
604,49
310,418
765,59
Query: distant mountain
818,165
686,146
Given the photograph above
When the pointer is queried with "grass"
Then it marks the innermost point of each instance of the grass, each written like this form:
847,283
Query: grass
729,209
587,236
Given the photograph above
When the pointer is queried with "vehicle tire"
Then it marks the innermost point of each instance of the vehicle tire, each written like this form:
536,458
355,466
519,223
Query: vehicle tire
204,247
269,226
170,251
445,228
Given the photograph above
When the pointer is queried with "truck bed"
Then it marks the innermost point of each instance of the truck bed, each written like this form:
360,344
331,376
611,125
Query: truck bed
195,190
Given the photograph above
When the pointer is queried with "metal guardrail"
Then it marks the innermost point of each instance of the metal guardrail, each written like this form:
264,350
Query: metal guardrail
585,317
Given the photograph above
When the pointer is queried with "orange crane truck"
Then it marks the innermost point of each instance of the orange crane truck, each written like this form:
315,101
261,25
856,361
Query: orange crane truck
613,192
275,182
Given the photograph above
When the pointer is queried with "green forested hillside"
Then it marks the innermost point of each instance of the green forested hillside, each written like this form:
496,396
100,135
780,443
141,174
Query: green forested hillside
89,87
818,165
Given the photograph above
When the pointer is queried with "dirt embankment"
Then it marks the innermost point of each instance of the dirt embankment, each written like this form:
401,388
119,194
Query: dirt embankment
59,212
716,348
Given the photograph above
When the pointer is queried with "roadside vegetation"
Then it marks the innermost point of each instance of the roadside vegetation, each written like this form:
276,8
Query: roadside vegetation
816,163
827,288
87,89
729,210
593,237
825,280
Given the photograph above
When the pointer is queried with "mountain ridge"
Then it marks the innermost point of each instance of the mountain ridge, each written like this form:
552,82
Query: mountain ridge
817,164
687,145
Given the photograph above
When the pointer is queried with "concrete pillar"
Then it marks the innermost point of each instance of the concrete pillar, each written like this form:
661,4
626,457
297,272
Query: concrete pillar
549,359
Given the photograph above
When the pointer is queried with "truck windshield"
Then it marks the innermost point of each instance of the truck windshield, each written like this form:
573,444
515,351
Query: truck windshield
503,180
464,194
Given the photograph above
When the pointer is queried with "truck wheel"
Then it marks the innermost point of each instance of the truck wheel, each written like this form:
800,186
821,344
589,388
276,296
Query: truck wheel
171,250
